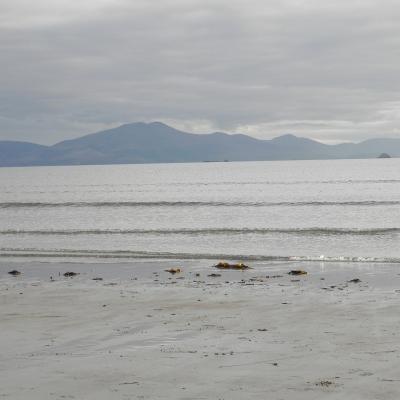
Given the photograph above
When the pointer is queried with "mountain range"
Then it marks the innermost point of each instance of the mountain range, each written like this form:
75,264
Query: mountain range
159,143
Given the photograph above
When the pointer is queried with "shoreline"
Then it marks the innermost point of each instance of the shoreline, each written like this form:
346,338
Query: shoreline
142,333
132,257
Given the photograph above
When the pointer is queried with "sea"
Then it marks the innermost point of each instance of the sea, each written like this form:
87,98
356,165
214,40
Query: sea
336,210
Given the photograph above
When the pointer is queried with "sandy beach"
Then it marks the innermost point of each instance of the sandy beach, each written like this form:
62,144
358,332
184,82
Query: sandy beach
143,333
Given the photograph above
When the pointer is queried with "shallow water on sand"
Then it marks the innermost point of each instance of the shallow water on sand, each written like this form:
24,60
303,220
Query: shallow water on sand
297,210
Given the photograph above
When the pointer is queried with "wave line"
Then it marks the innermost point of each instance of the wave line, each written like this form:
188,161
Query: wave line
199,204
209,231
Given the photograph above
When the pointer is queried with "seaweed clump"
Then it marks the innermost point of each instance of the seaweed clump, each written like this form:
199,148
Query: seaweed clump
225,265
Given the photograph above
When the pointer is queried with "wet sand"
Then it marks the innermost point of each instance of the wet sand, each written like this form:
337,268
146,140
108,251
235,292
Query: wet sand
142,333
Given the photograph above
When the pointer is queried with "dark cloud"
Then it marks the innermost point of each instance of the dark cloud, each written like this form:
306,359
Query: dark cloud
323,70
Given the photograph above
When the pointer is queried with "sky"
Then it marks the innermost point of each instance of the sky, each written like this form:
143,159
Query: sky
328,70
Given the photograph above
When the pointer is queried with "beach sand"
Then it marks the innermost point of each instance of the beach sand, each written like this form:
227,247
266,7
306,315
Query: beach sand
142,333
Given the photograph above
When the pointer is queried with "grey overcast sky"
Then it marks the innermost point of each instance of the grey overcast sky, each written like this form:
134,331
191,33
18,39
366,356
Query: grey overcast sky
324,69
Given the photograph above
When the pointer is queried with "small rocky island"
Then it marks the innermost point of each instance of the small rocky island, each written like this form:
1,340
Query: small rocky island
384,155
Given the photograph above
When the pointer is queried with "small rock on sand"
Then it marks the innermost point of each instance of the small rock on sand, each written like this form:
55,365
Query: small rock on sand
324,383
70,274
173,270
297,272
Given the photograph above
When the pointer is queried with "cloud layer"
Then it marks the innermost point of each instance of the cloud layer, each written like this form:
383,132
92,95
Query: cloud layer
326,70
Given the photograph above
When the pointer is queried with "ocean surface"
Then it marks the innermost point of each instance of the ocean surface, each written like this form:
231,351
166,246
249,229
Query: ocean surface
342,210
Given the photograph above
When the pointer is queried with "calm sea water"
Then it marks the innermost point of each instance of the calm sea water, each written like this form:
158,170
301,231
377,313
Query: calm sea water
328,210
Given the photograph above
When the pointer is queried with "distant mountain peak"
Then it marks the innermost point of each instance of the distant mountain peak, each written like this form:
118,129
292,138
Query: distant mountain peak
286,136
158,123
142,124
